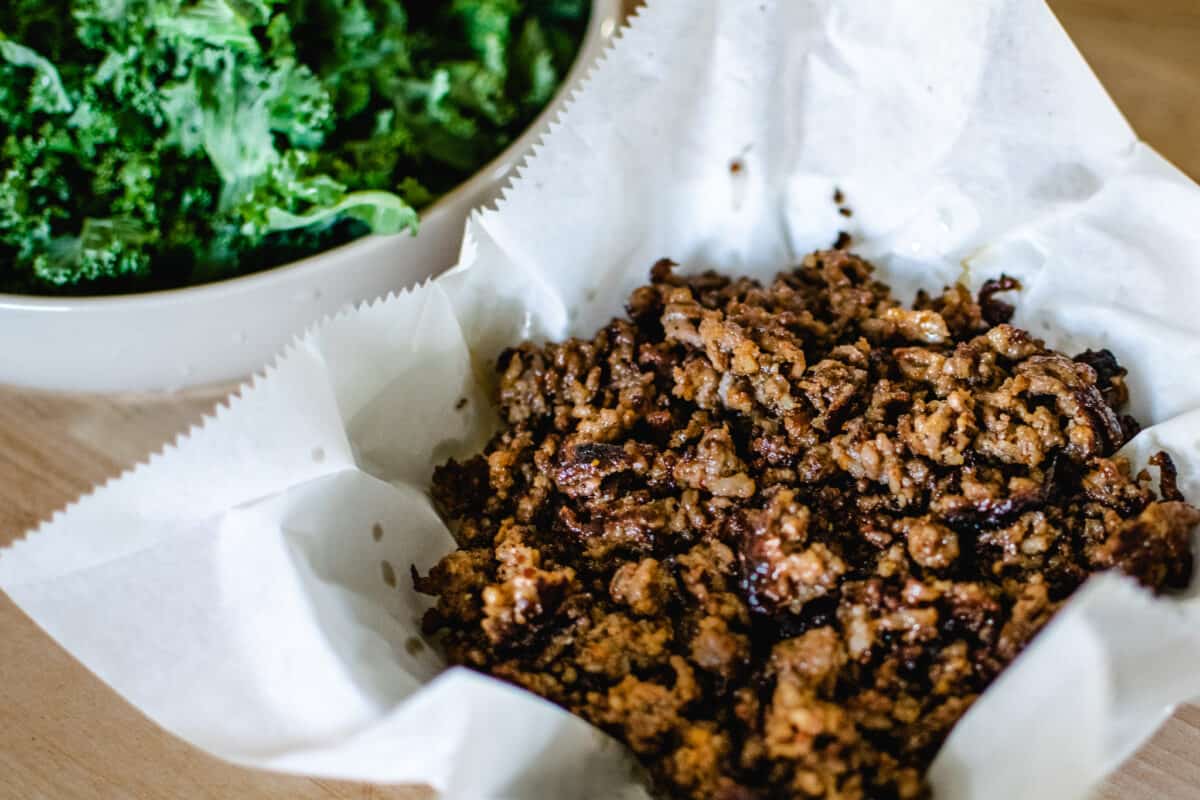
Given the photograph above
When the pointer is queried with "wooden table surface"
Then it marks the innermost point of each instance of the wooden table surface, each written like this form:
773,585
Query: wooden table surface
63,734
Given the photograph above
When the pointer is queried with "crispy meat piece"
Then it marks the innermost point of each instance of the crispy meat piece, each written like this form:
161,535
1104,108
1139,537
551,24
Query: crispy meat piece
1155,547
617,644
832,387
783,569
645,587
527,594
714,466
931,544
777,538
925,326
719,650
996,312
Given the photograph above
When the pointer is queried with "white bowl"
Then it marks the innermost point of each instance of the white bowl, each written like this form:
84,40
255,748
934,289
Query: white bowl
225,330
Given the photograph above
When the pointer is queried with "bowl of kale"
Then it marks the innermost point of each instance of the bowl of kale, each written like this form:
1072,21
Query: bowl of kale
184,184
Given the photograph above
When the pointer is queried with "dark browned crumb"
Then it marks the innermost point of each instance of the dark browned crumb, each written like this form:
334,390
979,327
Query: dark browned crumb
996,311
777,538
843,241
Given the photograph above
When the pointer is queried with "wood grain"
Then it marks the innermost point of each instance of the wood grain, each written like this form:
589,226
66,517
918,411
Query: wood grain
1147,53
63,734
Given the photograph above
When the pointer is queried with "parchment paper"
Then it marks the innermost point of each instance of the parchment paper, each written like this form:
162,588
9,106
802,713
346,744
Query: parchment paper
248,588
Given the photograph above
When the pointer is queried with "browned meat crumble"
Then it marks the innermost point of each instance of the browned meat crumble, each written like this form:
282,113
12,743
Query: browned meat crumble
778,538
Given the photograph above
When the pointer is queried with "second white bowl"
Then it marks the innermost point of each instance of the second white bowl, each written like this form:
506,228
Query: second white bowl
223,331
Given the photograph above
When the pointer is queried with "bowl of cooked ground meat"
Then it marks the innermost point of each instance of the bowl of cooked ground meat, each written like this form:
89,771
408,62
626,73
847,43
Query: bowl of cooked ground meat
776,537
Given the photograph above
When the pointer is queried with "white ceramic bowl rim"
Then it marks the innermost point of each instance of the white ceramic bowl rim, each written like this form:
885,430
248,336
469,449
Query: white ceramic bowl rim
602,12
